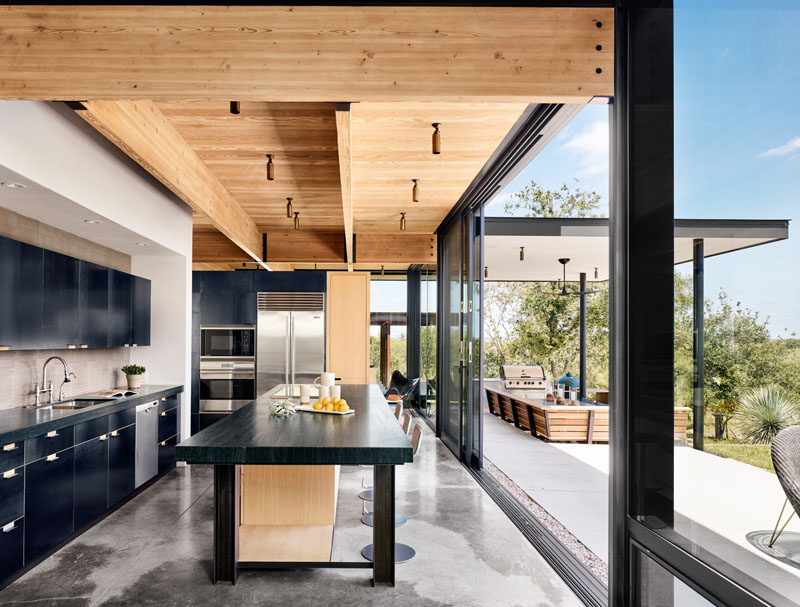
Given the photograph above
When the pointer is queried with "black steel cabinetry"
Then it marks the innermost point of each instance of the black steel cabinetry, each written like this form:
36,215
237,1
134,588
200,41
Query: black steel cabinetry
91,471
120,309
168,420
60,300
21,269
121,463
140,321
48,502
93,296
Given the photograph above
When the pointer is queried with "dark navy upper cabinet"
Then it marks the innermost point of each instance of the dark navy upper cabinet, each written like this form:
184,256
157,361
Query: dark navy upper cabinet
120,309
60,301
228,308
21,268
140,322
93,295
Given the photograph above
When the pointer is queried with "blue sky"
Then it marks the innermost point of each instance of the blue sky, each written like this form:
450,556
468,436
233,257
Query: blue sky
737,143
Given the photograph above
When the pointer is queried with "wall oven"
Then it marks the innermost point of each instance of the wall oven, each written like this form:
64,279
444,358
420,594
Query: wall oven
228,341
226,384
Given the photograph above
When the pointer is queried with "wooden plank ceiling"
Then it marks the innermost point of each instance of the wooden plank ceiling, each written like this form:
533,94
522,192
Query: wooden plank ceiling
291,67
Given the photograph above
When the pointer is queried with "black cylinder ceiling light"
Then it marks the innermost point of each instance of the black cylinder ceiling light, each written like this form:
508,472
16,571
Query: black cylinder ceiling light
522,253
289,207
415,190
402,222
436,139
235,108
270,167
297,220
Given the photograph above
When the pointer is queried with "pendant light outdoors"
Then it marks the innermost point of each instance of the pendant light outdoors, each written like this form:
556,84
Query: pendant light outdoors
486,271
270,168
297,220
382,271
522,253
415,190
289,208
235,108
402,222
436,140
595,272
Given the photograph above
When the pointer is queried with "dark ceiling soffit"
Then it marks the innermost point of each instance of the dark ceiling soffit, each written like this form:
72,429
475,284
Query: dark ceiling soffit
774,229
537,126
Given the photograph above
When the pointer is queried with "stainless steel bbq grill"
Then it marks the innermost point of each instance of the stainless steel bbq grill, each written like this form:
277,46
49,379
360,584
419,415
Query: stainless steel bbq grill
524,377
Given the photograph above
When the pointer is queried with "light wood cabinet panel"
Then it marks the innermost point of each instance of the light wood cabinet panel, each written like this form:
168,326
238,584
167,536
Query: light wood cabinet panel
347,327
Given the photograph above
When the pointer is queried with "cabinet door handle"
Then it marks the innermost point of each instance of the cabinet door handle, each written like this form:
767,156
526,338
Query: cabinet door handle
104,437
163,414
84,346
4,348
115,433
70,346
52,457
10,526
10,473
52,434
10,447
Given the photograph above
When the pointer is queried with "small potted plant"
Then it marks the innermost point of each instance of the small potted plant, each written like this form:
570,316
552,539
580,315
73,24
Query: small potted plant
134,375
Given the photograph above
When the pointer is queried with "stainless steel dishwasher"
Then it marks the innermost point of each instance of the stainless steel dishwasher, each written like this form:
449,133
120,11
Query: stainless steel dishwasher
146,442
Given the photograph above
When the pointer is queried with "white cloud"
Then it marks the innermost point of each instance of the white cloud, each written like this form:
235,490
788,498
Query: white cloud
793,145
589,149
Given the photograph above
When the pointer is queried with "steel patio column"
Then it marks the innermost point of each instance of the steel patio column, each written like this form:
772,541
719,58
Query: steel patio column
582,388
698,345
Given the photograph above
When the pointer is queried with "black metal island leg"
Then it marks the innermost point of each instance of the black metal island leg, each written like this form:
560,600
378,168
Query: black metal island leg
383,529
226,523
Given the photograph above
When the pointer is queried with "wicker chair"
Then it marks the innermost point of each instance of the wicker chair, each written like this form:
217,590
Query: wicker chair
786,459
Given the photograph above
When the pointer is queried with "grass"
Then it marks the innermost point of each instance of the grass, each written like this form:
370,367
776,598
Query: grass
755,455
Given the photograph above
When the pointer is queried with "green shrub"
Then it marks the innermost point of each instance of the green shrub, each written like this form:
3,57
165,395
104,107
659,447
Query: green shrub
133,370
764,412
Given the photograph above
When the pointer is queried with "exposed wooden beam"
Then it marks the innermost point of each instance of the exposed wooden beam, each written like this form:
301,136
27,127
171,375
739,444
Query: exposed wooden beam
214,247
344,138
305,246
140,130
397,248
306,53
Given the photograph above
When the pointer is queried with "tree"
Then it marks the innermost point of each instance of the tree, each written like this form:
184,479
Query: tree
535,201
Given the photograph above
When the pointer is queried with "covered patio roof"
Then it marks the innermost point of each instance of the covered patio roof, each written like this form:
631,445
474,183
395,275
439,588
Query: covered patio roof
585,242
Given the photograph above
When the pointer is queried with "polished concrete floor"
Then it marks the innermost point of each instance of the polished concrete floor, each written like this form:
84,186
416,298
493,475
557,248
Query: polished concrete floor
156,550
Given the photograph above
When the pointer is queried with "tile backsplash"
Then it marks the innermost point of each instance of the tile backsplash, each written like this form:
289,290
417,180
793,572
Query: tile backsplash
96,369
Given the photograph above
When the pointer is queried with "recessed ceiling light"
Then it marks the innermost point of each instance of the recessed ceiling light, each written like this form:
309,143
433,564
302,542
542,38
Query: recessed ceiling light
92,221
142,244
12,184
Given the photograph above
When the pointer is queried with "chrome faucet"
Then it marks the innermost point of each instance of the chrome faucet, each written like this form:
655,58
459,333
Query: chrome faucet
40,389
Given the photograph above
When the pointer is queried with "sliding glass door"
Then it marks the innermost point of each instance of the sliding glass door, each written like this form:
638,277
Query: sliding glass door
450,336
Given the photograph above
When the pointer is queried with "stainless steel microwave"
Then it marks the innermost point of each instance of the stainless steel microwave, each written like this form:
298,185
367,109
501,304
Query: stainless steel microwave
228,341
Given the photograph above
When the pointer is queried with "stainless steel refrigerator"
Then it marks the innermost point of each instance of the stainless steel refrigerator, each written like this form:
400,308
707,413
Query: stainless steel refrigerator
290,342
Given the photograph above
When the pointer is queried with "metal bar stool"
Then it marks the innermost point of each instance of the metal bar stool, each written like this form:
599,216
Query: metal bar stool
402,552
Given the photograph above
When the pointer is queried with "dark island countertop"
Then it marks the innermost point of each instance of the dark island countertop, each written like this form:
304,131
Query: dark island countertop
252,436
26,422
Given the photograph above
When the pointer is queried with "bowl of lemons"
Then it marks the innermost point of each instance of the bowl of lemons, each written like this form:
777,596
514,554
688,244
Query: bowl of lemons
336,406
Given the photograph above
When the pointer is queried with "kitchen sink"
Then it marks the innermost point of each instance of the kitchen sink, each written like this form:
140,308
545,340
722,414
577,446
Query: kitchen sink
75,403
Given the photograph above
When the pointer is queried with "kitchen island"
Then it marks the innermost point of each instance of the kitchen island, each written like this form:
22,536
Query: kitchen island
291,458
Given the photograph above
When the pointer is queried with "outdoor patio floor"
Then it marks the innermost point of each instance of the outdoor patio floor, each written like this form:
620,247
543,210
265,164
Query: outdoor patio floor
718,501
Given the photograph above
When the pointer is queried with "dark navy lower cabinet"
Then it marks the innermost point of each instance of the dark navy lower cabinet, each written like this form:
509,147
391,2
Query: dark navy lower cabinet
121,464
48,503
12,542
166,454
91,480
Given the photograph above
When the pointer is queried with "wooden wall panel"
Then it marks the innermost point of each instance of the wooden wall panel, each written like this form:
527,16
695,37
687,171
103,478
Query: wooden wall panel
289,495
347,326
395,248
305,246
305,53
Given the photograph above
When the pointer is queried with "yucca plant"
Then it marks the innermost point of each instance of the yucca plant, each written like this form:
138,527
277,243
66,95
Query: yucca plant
764,412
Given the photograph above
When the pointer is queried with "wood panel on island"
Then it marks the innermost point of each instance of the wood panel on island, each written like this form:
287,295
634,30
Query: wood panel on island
54,301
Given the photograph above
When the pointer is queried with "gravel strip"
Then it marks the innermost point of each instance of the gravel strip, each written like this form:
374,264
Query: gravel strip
596,564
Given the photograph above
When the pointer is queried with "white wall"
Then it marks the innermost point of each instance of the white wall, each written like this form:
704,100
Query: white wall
47,143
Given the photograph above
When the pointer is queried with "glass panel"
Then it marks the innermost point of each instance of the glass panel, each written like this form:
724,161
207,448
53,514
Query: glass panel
450,395
657,587
428,341
466,251
476,298
388,328
713,489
